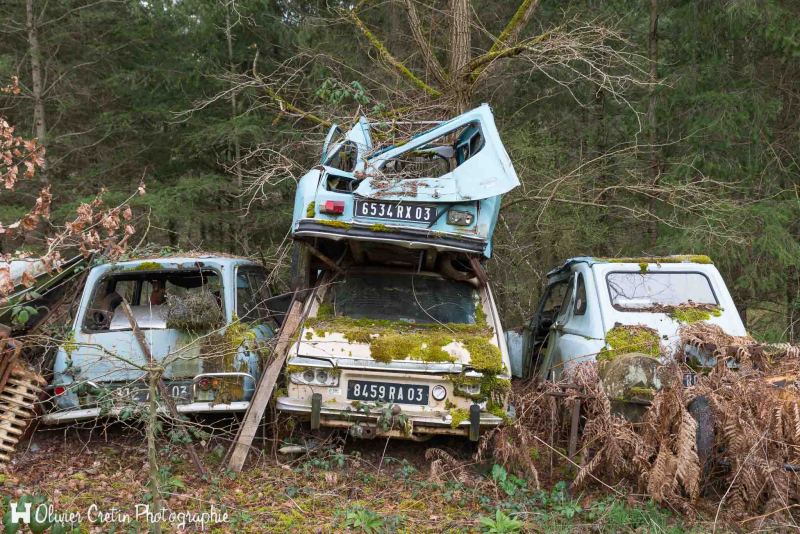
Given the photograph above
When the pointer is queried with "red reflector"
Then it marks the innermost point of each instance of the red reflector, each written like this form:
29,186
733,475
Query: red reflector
333,207
59,390
203,384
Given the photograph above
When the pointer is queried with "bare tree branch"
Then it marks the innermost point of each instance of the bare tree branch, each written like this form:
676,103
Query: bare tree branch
424,46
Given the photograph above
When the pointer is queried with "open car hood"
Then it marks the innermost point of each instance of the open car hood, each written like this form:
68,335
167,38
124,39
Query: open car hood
483,168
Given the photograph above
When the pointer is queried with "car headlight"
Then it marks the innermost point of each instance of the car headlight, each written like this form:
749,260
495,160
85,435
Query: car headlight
439,392
315,376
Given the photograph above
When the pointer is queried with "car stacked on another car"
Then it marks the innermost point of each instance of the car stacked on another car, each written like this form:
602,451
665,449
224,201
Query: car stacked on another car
402,337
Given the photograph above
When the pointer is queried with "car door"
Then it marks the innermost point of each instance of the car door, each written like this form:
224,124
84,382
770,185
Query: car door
538,329
483,168
346,151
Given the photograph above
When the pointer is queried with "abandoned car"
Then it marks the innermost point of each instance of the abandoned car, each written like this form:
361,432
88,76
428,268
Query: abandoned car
204,319
442,188
600,308
391,349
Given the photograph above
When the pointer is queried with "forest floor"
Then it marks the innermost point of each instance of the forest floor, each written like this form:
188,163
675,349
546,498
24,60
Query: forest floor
343,485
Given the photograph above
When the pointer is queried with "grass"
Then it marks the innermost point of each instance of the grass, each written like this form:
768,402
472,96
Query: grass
350,487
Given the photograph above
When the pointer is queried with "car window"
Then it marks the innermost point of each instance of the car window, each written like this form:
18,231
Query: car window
653,291
404,298
554,297
568,293
580,296
252,293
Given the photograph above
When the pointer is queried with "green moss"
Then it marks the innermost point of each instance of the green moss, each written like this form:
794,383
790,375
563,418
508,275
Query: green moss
425,347
448,405
623,339
311,210
147,266
480,315
643,267
641,393
497,410
682,258
458,416
325,311
380,228
335,224
490,387
309,335
693,314
238,333
484,356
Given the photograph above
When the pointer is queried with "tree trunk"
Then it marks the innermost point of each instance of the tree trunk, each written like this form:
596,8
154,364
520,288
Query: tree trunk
40,126
237,152
652,122
460,53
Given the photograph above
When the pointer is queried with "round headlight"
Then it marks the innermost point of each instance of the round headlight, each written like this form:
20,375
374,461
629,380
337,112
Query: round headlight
439,392
308,375
322,376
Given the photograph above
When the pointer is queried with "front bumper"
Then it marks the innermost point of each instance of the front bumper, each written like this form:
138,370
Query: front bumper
66,416
341,416
408,237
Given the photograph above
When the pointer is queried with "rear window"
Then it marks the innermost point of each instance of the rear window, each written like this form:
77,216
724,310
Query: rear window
403,297
636,291
149,294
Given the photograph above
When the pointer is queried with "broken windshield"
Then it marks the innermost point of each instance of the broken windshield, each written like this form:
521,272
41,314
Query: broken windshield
635,291
403,297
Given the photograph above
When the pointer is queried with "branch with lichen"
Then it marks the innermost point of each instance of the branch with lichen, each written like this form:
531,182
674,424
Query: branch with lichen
477,65
424,46
389,58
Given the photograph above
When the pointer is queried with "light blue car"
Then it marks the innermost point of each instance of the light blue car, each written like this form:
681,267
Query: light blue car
212,358
440,190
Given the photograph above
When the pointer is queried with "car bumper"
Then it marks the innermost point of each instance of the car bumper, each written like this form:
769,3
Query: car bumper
337,416
65,416
408,237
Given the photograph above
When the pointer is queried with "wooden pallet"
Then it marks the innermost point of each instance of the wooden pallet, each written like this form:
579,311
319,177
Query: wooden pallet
18,400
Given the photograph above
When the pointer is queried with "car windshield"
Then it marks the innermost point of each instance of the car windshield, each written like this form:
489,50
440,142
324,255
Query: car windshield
635,291
403,297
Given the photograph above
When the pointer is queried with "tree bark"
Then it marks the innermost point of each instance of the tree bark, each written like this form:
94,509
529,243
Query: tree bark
460,53
40,125
652,122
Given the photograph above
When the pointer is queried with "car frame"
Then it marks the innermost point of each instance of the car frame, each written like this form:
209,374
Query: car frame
361,196
459,412
94,365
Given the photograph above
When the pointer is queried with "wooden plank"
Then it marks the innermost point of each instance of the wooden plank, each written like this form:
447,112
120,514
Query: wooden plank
573,429
258,404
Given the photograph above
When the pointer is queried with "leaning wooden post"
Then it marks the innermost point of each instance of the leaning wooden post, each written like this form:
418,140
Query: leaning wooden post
258,404
162,388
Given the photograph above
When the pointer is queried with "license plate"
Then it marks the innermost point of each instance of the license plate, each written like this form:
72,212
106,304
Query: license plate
395,211
364,390
181,392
